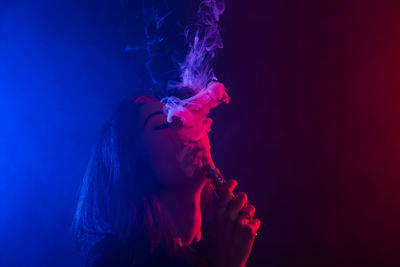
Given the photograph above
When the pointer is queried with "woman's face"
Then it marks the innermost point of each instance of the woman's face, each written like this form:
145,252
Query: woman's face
170,149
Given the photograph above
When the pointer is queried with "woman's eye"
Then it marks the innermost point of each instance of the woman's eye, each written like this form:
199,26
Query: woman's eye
162,126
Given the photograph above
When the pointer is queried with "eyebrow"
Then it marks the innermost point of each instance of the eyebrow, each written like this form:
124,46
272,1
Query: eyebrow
152,115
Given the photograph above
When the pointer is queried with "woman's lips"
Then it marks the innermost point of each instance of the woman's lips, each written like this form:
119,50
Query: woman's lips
191,160
190,154
195,155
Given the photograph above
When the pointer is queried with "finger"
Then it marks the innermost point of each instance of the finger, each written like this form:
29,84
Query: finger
247,212
255,224
230,185
236,205
246,232
250,230
226,189
226,196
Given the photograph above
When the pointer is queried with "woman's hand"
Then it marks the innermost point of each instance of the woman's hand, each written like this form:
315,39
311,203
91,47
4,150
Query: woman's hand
231,233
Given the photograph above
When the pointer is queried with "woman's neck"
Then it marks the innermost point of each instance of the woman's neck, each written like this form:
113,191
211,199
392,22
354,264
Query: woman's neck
181,206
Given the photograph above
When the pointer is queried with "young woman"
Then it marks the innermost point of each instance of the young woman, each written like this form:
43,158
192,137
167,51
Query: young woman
145,199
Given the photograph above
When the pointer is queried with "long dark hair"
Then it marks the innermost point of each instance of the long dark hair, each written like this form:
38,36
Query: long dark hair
117,195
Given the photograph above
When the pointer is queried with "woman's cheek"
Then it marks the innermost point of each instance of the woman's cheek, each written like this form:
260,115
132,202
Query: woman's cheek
167,157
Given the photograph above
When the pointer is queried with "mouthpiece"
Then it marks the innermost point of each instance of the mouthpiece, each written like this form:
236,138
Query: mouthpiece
216,176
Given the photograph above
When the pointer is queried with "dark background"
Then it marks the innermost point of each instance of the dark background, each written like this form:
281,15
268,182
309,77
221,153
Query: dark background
311,133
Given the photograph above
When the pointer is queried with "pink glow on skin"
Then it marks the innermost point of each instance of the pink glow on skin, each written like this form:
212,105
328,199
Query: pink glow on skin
193,112
178,167
180,148
174,151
